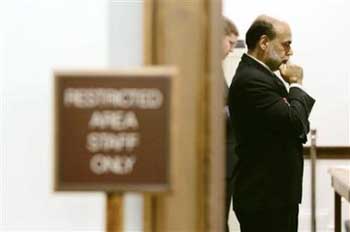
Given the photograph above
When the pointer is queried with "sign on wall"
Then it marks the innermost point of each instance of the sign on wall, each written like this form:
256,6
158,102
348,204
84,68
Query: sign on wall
112,130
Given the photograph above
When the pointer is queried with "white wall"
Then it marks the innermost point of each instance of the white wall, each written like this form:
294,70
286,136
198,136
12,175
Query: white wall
320,43
38,36
125,50
126,33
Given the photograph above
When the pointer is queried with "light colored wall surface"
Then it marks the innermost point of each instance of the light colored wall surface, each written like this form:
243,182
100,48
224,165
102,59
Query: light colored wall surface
231,62
39,36
125,50
125,33
320,45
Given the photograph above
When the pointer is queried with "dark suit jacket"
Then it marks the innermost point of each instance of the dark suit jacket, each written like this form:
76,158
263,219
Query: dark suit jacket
231,157
270,126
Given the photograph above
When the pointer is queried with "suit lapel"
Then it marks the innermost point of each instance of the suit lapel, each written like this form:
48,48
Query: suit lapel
281,87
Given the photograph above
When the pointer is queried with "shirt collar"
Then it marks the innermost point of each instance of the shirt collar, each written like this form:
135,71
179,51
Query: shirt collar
263,64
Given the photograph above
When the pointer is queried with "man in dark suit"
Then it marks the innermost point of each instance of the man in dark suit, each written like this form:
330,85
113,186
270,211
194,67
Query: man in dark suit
270,123
228,43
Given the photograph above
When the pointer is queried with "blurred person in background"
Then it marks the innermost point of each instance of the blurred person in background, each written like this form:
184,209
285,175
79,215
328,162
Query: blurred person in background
229,42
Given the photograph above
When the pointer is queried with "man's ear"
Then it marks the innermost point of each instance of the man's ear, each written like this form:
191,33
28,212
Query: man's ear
264,42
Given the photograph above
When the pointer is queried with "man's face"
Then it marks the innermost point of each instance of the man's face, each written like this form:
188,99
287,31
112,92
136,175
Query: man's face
228,43
279,49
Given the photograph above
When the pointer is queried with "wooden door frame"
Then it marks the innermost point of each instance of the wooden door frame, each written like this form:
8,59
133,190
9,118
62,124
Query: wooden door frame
197,199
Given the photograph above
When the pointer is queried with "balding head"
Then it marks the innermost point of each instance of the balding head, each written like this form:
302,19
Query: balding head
263,25
269,40
266,18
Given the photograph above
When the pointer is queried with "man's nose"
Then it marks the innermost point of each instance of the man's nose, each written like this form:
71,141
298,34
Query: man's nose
290,52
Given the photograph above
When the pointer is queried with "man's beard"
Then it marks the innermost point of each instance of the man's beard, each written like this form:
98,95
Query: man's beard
273,61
